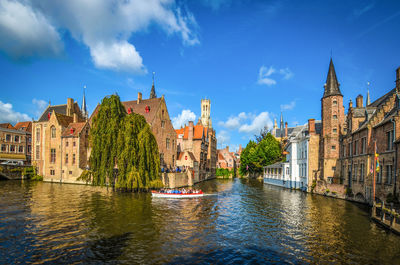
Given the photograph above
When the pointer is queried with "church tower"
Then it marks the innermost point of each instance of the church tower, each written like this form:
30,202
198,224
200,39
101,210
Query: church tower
205,113
332,116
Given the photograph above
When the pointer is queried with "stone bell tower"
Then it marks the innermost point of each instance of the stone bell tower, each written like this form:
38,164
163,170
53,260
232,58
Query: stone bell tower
205,113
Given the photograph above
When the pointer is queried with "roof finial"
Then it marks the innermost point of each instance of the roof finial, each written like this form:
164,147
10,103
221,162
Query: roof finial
83,107
153,90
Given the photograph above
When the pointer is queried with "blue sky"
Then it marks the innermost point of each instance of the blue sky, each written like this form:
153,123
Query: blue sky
253,59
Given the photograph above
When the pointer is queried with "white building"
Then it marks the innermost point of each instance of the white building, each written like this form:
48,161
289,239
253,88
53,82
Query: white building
296,174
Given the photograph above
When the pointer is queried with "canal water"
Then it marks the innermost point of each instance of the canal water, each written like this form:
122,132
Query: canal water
239,222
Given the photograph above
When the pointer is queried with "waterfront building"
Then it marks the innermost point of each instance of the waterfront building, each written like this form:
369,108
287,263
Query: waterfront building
155,111
373,128
332,116
302,151
53,156
226,159
156,114
194,139
15,144
278,174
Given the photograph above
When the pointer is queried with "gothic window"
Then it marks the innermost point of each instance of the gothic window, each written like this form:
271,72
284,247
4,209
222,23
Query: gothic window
389,169
37,152
73,159
389,137
12,148
37,135
8,137
52,172
53,132
167,143
162,124
362,172
363,145
66,158
52,155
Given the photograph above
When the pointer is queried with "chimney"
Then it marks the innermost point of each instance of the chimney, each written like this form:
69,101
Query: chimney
191,130
70,106
398,77
359,101
75,117
350,104
311,126
139,97
285,129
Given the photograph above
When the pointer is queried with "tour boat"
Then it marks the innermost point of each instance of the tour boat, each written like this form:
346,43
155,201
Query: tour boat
176,195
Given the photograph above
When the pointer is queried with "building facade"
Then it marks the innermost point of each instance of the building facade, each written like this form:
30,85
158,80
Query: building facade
15,145
194,139
52,157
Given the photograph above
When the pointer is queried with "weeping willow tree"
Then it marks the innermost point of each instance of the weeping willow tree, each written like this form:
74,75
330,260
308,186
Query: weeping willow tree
126,141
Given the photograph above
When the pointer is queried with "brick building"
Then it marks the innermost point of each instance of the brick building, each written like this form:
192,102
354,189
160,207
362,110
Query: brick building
195,140
15,142
226,159
372,128
58,137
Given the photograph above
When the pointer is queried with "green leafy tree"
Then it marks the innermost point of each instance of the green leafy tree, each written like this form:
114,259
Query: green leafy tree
255,156
126,141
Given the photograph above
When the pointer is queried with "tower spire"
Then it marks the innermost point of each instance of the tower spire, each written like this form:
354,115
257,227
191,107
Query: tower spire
153,90
332,84
83,108
281,121
368,98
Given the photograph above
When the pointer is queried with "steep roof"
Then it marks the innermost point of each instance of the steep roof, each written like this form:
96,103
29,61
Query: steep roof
75,128
7,126
62,109
24,126
189,153
332,84
152,104
382,99
198,132
64,120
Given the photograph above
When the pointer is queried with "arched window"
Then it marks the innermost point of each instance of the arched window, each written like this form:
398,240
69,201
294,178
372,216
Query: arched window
37,135
53,132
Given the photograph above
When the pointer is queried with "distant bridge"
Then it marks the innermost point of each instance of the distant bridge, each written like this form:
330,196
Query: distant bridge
11,172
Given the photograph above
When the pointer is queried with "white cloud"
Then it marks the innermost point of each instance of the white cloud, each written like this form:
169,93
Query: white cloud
248,122
288,106
7,114
183,118
287,74
117,56
265,73
263,76
40,106
223,138
105,26
257,123
25,32
233,122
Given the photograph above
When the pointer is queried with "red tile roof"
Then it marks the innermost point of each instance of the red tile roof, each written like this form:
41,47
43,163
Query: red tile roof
6,126
73,129
24,125
198,131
